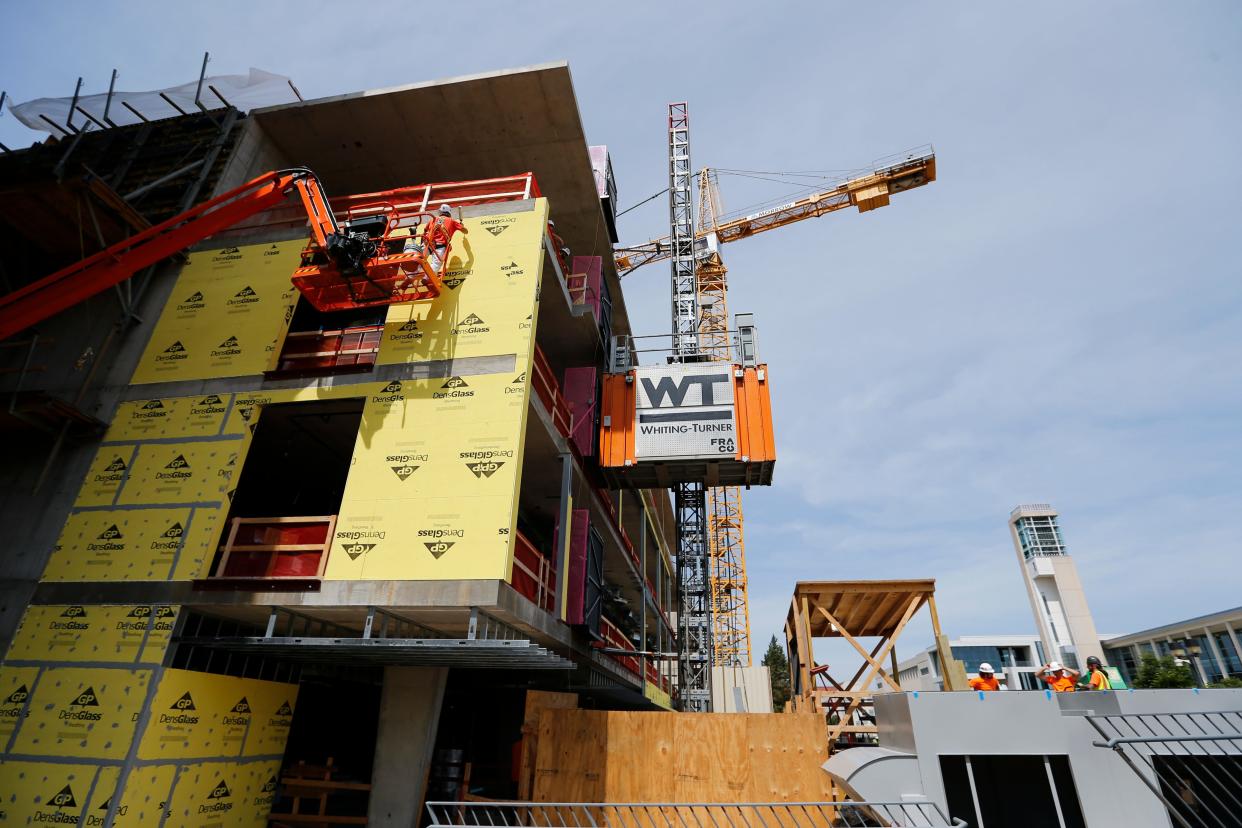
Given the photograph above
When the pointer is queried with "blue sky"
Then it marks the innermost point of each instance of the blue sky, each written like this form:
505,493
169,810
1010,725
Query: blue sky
1057,319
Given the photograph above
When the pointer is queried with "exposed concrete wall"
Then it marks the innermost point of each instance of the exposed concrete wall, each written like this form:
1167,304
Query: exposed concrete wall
408,718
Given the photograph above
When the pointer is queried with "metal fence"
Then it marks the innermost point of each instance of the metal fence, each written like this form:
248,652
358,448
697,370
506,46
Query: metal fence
688,815
1192,762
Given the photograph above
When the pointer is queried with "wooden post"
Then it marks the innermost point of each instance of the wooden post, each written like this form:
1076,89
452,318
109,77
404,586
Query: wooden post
807,656
945,652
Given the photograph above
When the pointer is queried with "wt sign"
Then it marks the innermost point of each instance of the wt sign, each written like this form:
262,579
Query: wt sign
685,412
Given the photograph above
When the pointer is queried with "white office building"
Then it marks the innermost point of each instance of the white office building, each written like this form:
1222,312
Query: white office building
1209,644
1014,657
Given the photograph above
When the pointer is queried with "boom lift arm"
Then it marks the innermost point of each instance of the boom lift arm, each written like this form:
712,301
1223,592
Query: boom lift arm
866,192
337,263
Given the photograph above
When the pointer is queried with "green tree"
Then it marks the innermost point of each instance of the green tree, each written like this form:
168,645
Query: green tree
778,673
1162,672
1232,682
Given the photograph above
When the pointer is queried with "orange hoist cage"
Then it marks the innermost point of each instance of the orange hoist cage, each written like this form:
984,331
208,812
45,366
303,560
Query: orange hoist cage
751,465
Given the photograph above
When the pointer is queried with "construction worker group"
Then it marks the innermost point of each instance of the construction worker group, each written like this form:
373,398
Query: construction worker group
1058,677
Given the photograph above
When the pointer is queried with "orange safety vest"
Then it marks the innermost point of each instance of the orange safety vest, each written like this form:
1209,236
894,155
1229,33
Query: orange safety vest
1060,684
440,231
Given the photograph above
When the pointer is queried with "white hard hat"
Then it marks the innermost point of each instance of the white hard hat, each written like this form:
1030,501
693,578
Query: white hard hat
446,210
986,668
1054,666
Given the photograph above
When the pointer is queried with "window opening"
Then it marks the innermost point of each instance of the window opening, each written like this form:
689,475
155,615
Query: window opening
330,343
284,510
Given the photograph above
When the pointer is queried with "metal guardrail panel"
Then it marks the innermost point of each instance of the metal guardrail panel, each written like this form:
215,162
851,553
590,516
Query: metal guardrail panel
688,815
1192,762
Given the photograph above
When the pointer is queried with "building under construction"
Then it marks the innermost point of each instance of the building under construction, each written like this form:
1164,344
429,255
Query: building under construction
314,528
254,521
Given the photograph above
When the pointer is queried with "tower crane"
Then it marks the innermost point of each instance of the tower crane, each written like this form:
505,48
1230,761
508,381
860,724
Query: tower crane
868,191
720,515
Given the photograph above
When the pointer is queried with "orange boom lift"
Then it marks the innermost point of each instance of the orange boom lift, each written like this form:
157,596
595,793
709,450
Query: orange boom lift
356,261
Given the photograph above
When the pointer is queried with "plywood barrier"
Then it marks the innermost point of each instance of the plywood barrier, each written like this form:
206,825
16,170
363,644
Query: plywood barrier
610,756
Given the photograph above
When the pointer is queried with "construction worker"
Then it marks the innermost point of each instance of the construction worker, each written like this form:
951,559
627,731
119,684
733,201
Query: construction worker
987,681
413,244
1096,678
1059,678
439,233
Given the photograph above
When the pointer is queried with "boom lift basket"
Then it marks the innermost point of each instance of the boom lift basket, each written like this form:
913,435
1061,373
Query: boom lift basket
391,274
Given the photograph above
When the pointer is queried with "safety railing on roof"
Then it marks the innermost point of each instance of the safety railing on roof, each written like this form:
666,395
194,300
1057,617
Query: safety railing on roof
739,345
688,815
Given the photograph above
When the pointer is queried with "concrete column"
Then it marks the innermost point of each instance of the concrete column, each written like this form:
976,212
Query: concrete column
1219,656
1233,636
408,718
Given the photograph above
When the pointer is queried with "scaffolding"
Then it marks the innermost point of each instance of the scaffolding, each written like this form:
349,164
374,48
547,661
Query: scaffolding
853,610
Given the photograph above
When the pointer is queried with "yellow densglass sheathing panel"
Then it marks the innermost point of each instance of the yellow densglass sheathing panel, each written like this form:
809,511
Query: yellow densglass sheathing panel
227,314
125,634
199,715
42,793
223,794
432,489
135,545
200,416
145,798
104,478
169,457
83,712
271,709
182,473
490,292
15,684
200,542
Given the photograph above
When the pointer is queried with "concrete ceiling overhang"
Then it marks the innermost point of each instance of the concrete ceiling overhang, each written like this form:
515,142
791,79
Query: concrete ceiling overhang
471,127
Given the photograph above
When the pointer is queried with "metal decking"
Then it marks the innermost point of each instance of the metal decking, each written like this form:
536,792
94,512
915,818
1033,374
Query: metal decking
386,638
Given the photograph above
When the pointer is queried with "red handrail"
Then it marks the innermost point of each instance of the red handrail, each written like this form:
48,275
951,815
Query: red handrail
533,574
543,381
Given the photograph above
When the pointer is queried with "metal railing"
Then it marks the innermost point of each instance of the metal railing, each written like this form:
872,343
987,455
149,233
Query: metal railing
688,815
1192,762
741,347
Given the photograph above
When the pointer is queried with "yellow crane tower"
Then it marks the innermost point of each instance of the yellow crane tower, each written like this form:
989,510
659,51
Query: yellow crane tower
868,191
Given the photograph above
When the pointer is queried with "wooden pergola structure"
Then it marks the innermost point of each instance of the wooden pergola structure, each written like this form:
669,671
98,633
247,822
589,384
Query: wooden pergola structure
853,610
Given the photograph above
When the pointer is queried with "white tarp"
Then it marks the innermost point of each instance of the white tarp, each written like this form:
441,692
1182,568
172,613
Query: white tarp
245,92
685,411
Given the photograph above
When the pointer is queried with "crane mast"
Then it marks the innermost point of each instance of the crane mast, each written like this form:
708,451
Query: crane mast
689,499
726,544
714,619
